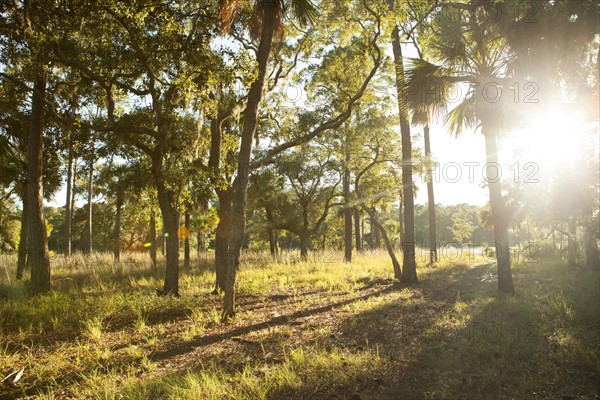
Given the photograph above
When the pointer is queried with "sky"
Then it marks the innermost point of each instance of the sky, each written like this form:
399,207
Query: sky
458,173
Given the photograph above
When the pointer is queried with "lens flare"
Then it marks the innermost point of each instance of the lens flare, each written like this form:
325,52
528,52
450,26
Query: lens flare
183,232
147,244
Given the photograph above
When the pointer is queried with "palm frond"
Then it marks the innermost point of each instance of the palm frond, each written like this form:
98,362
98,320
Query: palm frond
304,11
427,90
462,116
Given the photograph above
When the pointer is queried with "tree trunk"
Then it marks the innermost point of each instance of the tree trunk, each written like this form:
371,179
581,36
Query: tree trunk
357,229
22,252
409,264
170,224
304,245
221,235
401,220
170,218
73,200
347,213
90,188
498,209
271,232
152,240
374,231
186,249
388,243
240,184
117,232
572,249
430,201
68,204
37,243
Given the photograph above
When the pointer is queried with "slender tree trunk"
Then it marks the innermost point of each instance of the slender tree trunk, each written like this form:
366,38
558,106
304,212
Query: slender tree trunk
240,184
430,200
117,232
68,203
388,244
362,229
409,264
153,240
499,218
73,200
22,252
376,233
186,249
347,213
90,188
38,257
198,243
271,232
401,220
272,244
170,226
357,229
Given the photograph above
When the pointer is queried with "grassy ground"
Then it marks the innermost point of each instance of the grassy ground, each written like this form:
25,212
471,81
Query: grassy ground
319,329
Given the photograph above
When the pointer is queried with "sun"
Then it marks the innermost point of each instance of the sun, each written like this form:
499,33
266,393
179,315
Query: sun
552,139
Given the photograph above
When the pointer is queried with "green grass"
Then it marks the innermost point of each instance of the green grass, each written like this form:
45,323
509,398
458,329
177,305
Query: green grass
304,329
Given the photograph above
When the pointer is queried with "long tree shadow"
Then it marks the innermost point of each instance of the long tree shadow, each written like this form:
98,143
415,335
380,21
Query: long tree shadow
461,340
288,319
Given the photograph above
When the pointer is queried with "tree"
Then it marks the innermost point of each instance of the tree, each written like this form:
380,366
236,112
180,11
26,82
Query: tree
375,183
265,23
409,264
313,179
159,56
471,52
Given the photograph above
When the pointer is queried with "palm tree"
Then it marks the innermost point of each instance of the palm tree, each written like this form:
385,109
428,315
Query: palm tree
421,113
265,24
469,51
409,264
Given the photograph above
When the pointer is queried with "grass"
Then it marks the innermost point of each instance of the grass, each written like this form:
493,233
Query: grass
316,329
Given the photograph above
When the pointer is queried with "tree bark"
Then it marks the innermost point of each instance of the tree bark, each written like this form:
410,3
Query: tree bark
357,229
38,257
152,239
240,184
347,213
271,232
186,250
68,203
170,225
90,188
401,220
430,201
304,236
409,264
22,252
376,233
498,209
117,231
221,235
